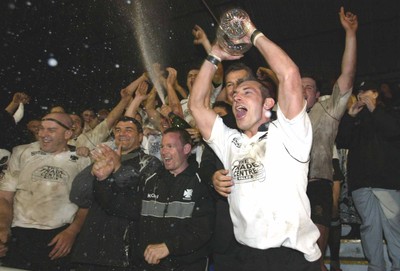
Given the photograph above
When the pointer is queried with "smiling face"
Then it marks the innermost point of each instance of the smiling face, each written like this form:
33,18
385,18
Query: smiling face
174,152
127,136
53,137
249,106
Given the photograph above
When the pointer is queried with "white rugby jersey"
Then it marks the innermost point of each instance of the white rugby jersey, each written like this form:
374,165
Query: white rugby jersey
268,203
42,183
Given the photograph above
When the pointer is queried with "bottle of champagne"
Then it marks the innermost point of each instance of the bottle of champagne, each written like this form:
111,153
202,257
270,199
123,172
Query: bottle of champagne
177,121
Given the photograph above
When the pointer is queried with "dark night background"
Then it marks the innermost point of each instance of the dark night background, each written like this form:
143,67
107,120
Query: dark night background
80,53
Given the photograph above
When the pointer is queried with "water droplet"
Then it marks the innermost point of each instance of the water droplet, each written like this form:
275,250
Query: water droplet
52,62
117,66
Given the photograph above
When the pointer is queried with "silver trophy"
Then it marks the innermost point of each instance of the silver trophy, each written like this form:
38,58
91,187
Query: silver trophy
233,27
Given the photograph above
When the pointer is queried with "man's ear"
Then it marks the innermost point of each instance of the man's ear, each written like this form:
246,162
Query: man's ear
187,148
68,134
268,103
317,95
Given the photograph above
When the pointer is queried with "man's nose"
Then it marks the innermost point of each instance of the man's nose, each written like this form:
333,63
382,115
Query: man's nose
237,97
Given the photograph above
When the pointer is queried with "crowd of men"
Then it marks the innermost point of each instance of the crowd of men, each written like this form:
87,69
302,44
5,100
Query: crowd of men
249,186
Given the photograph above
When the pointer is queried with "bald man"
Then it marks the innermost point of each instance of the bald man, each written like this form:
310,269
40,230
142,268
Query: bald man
38,223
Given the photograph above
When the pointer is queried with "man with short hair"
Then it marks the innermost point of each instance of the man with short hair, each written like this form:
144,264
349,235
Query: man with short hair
325,115
267,161
101,132
225,245
34,200
134,166
177,213
233,75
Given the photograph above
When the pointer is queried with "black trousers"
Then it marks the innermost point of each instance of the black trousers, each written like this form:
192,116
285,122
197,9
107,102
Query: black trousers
28,249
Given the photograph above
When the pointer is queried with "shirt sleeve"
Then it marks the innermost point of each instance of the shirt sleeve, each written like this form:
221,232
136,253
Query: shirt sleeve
94,137
220,139
82,188
296,134
11,174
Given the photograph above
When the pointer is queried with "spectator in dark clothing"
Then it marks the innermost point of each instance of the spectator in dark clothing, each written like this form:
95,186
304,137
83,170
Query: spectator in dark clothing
103,243
371,132
177,213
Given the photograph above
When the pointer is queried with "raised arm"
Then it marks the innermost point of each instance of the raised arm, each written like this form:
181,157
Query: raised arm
201,111
126,96
349,22
173,100
200,37
19,97
140,96
291,99
150,107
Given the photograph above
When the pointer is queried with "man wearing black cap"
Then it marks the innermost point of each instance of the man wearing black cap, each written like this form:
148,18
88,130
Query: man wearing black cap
371,132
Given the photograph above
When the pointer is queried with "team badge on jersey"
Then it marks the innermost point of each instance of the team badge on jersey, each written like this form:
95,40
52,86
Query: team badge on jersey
187,194
73,158
236,142
50,174
247,170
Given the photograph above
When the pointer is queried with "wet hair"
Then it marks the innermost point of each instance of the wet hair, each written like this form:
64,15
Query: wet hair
183,134
139,127
265,91
238,66
271,86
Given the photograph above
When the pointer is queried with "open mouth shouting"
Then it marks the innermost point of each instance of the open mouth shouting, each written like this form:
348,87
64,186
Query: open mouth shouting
240,111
